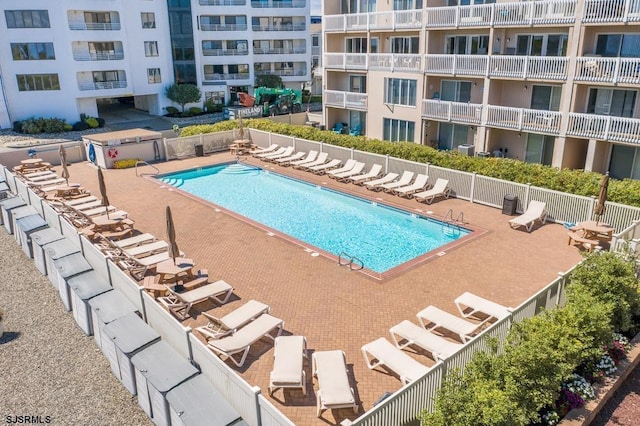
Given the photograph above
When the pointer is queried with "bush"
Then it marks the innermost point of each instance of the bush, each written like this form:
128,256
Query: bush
101,122
92,122
172,110
80,126
17,126
68,127
195,111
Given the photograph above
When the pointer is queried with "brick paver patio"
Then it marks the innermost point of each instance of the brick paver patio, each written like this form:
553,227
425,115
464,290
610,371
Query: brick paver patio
330,305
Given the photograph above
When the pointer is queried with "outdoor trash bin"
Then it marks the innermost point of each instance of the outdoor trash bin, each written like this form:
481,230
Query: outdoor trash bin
25,227
65,268
54,251
39,240
510,204
199,150
83,287
106,308
17,214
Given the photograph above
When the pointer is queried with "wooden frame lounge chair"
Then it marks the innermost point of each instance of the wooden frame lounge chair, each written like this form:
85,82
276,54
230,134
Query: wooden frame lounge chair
241,341
341,177
374,184
469,305
334,390
289,353
288,151
418,185
381,352
349,165
149,249
536,212
139,267
271,148
311,156
433,318
440,189
373,173
135,240
181,303
36,178
404,180
413,334
323,158
79,201
228,324
286,160
323,168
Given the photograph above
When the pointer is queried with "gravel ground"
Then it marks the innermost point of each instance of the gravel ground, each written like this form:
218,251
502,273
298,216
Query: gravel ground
623,408
48,367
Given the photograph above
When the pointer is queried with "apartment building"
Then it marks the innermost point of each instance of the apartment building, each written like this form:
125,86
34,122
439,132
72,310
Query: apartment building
64,58
550,81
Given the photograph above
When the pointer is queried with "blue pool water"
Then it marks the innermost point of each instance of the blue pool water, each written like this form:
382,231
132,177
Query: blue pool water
382,237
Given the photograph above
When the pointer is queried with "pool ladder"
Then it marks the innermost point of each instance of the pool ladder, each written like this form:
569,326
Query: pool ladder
354,264
144,163
450,221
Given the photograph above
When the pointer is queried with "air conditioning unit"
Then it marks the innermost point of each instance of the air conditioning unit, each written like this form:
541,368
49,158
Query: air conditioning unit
466,150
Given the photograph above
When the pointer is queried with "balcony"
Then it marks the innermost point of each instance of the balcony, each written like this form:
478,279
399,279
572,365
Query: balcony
225,77
225,52
395,62
531,67
98,56
345,100
608,70
222,2
95,26
454,112
471,65
604,127
525,120
377,21
102,85
280,51
345,61
280,27
223,27
605,11
285,72
268,4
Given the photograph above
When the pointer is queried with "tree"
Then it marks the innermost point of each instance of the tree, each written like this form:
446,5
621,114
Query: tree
269,80
183,94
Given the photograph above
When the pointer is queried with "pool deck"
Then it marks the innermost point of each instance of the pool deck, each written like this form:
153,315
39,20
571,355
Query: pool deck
333,307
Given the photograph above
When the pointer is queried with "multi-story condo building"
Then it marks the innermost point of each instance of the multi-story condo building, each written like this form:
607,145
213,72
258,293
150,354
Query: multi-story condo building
550,81
63,58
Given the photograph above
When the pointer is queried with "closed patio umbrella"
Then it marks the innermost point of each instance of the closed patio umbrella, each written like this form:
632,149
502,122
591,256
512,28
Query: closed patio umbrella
240,126
171,235
103,191
63,161
602,197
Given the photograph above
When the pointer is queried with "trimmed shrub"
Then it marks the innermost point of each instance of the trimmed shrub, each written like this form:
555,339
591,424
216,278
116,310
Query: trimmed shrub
92,122
195,111
80,126
172,110
17,126
68,127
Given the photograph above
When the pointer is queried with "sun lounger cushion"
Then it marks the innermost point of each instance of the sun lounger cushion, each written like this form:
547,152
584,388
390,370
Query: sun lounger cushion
384,353
288,365
413,334
334,391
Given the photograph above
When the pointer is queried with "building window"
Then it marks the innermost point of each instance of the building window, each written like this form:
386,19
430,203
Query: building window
407,4
400,91
153,75
539,149
150,48
542,45
406,45
615,102
451,136
625,162
398,130
623,45
27,18
315,41
148,19
467,45
546,97
32,51
33,82
214,98
356,45
455,91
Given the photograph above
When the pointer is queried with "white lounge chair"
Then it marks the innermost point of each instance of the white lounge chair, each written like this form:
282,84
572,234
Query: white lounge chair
373,173
341,177
322,158
440,189
271,148
349,165
432,318
273,157
323,168
418,185
334,391
374,184
407,333
181,303
228,324
286,160
241,341
266,154
404,180
311,156
536,211
381,352
289,353
469,305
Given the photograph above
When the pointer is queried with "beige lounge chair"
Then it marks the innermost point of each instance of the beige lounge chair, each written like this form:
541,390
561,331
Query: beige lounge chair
289,354
278,151
228,324
469,305
433,318
440,189
241,341
44,183
135,240
412,334
79,201
323,168
373,173
381,352
418,185
404,180
149,249
374,184
181,303
536,212
288,151
270,148
350,164
334,391
41,177
286,160
323,157
311,156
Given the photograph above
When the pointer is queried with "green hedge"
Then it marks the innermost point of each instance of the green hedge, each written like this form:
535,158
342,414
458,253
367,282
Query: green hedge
577,182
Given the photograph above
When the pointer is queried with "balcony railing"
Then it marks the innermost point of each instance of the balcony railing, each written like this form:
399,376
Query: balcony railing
223,77
101,85
395,62
455,112
602,11
225,52
278,4
280,51
345,61
280,27
98,56
376,21
604,127
608,70
348,100
522,119
222,2
98,26
223,27
537,67
472,65
295,72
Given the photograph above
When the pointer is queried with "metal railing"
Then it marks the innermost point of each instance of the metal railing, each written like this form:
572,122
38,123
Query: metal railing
225,52
275,4
608,70
604,127
223,27
280,27
341,99
98,56
456,112
96,26
222,2
102,85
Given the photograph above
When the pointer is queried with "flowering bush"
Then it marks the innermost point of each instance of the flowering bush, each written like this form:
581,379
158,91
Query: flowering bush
606,365
575,393
550,418
618,347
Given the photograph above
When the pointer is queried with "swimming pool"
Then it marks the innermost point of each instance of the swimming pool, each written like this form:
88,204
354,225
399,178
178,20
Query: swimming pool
381,237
